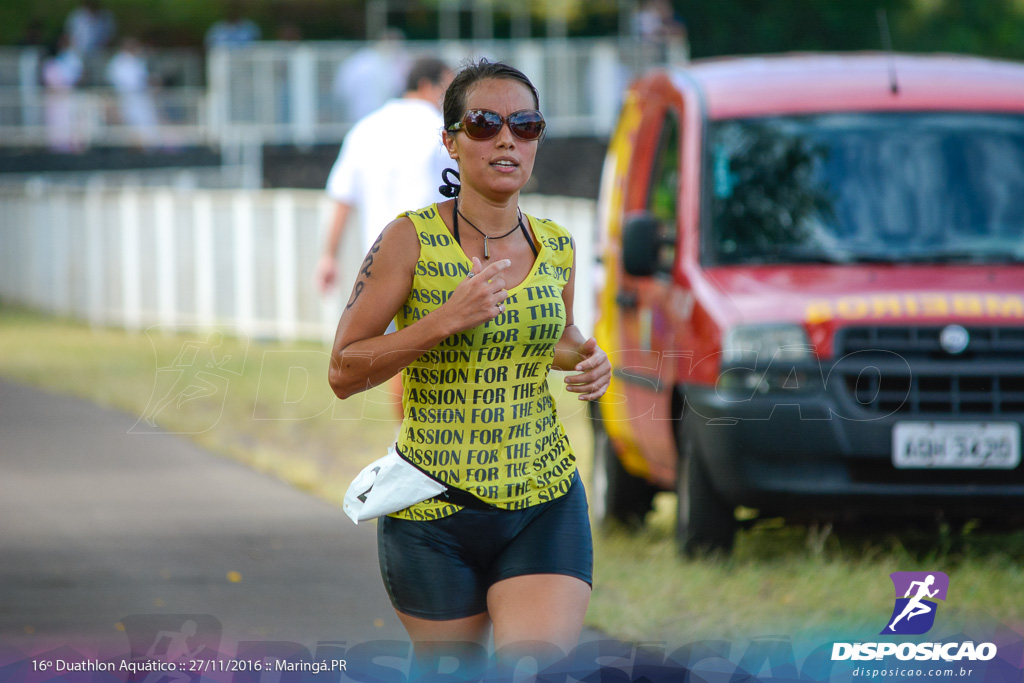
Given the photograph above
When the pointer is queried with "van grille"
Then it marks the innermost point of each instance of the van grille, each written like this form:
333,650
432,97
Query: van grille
918,342
904,370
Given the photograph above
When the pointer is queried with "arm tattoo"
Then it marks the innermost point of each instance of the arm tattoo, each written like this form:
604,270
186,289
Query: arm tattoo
364,272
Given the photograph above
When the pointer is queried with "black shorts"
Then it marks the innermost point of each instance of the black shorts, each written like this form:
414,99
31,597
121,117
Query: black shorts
442,569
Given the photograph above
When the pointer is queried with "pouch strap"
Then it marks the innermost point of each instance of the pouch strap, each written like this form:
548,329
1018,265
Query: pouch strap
452,494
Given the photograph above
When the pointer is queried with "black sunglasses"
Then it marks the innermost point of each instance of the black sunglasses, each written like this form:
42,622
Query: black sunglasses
482,124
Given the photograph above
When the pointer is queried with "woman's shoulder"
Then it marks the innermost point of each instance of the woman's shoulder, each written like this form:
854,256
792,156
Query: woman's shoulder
398,237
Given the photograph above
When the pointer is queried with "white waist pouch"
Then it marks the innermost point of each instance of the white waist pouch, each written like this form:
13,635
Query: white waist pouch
388,485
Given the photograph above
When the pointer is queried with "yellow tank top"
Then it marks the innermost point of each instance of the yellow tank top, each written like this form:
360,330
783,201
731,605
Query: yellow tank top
478,413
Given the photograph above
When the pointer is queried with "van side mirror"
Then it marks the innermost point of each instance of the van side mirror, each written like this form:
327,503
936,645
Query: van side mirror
642,242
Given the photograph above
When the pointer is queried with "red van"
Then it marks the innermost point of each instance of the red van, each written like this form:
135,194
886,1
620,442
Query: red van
813,291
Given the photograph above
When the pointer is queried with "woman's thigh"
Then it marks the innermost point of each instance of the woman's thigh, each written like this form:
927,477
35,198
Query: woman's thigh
532,612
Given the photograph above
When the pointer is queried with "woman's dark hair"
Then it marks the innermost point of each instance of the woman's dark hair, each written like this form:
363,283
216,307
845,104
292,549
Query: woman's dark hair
468,76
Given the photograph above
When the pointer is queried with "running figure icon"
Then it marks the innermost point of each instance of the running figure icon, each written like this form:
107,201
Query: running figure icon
915,606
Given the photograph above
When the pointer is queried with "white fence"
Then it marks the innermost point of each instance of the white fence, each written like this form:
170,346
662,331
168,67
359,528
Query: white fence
187,259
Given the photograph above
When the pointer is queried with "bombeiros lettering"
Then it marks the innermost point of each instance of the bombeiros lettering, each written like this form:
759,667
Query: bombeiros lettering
910,306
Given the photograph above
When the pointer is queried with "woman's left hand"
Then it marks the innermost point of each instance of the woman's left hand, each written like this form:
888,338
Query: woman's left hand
595,372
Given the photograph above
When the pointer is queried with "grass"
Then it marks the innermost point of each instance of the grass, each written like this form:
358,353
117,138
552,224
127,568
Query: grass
269,406
789,579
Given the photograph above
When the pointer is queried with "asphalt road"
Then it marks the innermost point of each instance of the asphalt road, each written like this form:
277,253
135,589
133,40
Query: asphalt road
109,538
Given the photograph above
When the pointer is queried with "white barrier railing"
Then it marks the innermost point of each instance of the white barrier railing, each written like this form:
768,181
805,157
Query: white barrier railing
186,259
282,92
74,120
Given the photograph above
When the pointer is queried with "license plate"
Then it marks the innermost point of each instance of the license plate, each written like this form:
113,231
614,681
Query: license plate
956,445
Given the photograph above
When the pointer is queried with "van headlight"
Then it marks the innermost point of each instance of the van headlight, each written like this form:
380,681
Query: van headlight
763,343
764,358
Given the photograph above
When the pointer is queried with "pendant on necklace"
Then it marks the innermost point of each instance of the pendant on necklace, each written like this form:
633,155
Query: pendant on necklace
487,256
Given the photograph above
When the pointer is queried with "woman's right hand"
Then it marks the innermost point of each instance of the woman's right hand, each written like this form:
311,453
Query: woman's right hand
480,297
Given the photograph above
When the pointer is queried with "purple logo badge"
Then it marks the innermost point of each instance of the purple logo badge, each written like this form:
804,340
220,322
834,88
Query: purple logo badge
916,593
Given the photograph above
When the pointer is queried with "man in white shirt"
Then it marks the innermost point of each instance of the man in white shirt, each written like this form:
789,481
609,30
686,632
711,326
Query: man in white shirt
390,162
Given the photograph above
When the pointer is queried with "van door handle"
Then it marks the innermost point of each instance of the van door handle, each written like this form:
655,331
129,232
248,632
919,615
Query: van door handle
626,299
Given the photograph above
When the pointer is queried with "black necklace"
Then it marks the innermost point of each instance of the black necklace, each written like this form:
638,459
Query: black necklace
487,255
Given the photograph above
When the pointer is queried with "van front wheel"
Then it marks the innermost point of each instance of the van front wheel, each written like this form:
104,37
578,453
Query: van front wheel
705,522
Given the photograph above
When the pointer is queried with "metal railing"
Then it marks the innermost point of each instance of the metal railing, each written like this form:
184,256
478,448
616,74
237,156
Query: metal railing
74,120
281,92
20,67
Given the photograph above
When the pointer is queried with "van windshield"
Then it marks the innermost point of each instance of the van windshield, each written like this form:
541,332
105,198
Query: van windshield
867,187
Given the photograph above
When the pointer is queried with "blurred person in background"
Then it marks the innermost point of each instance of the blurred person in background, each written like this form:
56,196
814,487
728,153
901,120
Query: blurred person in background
128,74
90,28
389,161
234,29
371,76
658,28
61,74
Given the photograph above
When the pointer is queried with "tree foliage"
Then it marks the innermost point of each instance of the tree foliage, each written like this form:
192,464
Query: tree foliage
982,27
715,27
